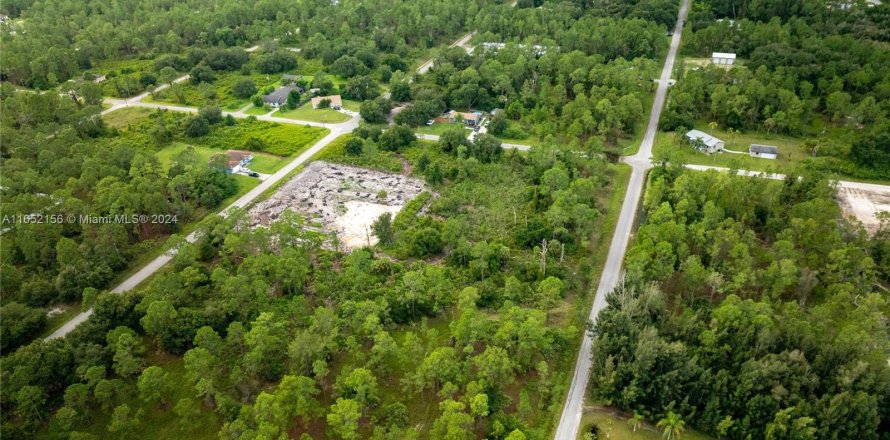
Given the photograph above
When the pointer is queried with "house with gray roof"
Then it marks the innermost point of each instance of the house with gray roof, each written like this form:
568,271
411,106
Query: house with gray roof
278,97
763,151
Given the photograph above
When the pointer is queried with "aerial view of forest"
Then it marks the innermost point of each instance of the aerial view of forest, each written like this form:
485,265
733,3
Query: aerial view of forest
424,219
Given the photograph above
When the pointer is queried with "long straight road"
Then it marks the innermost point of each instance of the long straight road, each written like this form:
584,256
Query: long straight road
570,420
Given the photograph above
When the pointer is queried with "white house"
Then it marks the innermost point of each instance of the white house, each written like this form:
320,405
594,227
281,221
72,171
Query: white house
237,160
763,151
704,142
723,58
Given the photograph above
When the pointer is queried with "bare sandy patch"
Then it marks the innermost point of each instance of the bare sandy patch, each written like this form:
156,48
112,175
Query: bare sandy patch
864,205
339,198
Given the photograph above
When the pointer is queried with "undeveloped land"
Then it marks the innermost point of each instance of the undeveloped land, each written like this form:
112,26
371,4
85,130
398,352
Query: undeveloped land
341,198
864,204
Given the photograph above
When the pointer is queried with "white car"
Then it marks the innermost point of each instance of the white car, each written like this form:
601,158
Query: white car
430,122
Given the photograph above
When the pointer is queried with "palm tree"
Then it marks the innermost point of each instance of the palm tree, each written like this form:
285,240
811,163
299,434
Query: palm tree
635,422
673,426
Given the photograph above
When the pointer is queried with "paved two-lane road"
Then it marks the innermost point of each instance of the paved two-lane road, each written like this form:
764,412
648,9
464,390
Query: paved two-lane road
570,420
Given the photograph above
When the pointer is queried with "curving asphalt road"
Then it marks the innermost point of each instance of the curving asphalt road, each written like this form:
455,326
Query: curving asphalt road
570,420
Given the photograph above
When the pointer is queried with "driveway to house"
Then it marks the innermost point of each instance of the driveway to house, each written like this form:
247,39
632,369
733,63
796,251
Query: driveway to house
570,420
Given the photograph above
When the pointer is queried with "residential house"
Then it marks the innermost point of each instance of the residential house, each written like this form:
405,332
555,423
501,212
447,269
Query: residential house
99,79
237,160
471,119
704,142
278,98
763,151
722,58
335,100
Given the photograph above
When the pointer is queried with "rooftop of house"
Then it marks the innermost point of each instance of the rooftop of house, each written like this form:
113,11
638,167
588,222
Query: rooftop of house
471,116
727,55
235,157
336,101
279,96
702,136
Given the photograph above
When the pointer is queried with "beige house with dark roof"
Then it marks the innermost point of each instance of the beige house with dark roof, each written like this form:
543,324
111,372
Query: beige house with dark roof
336,101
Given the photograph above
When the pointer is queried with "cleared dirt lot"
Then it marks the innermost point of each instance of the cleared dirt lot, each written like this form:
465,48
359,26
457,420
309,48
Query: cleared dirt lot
340,198
864,204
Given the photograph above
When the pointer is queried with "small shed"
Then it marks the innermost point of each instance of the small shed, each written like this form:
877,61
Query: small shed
704,142
723,58
763,151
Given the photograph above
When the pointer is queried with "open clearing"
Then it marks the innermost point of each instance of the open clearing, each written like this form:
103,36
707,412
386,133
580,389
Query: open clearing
305,112
864,205
341,198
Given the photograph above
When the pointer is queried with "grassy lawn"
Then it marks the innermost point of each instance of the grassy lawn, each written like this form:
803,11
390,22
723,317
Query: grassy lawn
510,136
439,128
790,152
349,104
266,163
305,112
258,111
338,81
125,117
613,425
166,154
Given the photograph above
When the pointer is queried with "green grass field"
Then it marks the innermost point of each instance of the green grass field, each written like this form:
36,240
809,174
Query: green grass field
266,163
349,104
258,111
305,112
166,154
126,117
439,128
526,140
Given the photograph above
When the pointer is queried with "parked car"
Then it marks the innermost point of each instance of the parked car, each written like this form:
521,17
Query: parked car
430,122
253,174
